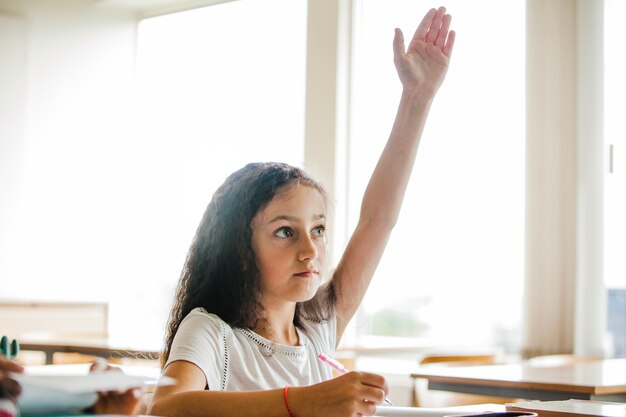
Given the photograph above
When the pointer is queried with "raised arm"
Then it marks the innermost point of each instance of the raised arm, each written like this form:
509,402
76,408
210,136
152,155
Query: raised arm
421,68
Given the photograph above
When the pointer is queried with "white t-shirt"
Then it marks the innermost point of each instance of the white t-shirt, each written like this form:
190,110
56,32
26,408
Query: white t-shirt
241,360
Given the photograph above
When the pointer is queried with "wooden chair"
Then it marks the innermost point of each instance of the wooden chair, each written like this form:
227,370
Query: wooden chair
422,397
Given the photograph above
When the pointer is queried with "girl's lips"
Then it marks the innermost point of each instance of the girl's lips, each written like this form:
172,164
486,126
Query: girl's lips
307,274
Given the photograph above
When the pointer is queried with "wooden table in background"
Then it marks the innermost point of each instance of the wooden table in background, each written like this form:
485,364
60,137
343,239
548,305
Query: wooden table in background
104,348
603,380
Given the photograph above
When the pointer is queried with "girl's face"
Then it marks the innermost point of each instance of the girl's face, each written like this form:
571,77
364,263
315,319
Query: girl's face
289,243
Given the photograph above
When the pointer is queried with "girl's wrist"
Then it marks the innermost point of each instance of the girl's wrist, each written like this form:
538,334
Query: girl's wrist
286,400
292,398
419,93
416,100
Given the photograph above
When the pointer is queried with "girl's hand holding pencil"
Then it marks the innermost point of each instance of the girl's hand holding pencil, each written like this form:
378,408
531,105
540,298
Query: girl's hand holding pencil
337,366
355,393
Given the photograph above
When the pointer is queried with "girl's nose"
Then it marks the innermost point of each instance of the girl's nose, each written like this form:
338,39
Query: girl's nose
308,250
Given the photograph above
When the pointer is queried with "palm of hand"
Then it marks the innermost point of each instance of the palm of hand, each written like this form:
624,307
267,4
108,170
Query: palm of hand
426,61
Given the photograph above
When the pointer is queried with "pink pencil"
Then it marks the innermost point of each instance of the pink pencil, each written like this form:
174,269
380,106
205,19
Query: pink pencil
333,363
337,366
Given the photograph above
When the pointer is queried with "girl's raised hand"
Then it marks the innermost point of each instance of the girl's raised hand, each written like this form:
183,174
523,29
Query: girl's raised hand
423,65
350,395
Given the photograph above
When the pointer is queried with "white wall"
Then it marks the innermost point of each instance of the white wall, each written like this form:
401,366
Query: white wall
61,152
72,188
13,66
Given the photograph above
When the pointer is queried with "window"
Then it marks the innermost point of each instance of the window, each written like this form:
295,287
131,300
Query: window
460,237
615,181
216,91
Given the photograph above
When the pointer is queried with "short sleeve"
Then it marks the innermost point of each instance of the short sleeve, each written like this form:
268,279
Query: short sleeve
200,340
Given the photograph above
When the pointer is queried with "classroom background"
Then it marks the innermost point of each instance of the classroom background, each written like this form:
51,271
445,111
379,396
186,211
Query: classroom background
119,118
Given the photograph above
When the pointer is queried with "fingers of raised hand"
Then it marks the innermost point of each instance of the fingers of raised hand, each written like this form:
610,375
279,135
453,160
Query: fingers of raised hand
435,25
440,41
447,49
398,44
422,29
434,29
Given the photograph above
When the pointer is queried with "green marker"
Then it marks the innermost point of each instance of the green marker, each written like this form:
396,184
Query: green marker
9,349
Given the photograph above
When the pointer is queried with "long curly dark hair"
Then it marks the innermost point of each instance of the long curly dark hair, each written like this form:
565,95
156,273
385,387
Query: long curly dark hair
220,273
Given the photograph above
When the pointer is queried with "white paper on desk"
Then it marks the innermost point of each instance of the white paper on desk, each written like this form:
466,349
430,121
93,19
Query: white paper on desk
93,382
393,411
41,400
64,393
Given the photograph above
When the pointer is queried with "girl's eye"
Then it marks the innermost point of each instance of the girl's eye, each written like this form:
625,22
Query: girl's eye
319,231
284,232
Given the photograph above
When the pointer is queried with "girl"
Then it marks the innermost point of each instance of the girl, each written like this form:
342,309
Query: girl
253,310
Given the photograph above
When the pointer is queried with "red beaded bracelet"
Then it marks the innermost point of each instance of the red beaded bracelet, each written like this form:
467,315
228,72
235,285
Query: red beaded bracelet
286,402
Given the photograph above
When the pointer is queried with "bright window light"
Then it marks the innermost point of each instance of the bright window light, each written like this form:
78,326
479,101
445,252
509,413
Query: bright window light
615,137
615,178
218,87
453,270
